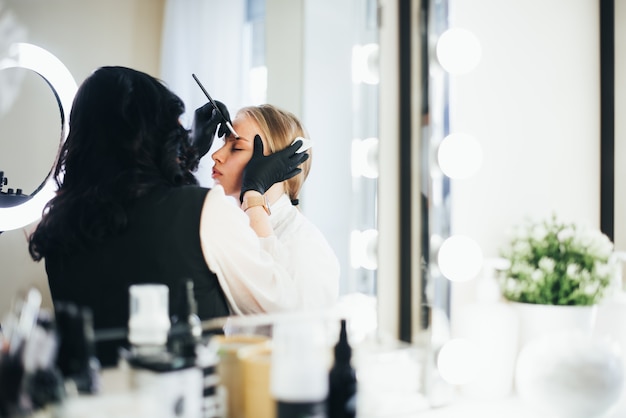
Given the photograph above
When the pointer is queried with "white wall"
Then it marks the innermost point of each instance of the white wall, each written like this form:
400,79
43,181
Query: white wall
84,35
533,104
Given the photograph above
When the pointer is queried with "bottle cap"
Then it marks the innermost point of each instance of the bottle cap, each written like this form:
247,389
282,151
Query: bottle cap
149,321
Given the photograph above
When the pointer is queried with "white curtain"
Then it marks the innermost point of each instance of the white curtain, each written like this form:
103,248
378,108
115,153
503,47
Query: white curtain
206,38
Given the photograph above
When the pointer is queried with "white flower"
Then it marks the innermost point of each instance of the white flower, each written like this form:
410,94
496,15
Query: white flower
566,234
572,269
547,264
537,275
603,269
591,288
600,246
552,262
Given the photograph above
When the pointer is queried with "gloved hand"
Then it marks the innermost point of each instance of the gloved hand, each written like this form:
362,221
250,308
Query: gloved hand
263,171
205,122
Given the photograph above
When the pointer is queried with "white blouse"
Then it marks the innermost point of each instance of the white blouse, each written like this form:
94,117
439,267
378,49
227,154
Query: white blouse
295,269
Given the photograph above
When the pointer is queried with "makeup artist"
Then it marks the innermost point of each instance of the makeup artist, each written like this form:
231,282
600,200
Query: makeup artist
128,208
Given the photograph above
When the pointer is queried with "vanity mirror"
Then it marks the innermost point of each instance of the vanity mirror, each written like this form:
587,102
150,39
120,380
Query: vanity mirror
337,99
614,170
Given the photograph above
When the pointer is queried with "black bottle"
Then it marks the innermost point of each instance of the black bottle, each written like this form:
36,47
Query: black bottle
186,331
342,380
76,357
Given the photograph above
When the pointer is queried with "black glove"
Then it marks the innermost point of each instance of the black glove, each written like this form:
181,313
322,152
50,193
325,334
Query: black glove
263,171
205,122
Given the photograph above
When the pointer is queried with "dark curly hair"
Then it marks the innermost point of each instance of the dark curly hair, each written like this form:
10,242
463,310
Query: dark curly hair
125,138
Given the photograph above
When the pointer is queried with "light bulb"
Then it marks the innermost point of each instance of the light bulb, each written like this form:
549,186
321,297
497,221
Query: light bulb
365,64
460,258
364,249
365,158
459,156
458,51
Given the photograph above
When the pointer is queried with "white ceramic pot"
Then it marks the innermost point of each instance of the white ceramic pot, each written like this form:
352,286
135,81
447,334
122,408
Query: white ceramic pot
537,320
570,375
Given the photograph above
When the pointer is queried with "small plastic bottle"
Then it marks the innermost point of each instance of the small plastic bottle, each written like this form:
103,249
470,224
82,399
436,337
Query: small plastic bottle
342,383
299,372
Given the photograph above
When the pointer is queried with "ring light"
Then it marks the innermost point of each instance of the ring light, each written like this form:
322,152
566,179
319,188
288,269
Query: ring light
63,85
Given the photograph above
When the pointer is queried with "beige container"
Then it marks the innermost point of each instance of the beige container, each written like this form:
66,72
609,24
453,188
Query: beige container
230,370
256,363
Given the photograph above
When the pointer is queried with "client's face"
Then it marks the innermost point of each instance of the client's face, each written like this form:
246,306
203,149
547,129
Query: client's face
231,158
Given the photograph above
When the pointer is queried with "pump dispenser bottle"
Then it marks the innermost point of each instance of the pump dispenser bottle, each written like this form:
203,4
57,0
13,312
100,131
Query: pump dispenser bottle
342,380
162,362
491,325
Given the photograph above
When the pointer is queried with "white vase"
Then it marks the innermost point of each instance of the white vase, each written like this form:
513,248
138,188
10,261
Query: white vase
561,369
536,320
570,375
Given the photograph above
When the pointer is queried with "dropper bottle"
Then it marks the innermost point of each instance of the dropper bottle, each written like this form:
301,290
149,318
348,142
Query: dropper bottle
342,380
186,331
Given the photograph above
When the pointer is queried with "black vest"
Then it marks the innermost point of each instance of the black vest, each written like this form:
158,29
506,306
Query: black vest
161,245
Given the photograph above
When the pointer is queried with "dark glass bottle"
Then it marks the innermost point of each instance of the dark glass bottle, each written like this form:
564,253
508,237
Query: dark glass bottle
186,331
342,383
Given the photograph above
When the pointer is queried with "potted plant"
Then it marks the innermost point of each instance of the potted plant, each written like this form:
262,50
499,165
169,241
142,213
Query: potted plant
553,264
557,275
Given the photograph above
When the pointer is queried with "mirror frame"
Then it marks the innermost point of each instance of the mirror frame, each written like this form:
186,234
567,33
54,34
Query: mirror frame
64,87
607,117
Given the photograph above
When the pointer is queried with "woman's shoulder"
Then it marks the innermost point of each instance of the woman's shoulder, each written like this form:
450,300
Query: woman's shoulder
172,198
192,190
298,226
179,192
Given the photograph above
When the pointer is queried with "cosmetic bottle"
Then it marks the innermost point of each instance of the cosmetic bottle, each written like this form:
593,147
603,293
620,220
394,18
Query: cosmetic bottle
299,372
186,342
169,378
342,385
43,384
76,357
214,394
491,326
186,329
149,323
29,380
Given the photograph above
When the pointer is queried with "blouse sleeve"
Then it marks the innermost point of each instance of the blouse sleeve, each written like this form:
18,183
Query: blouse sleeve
253,280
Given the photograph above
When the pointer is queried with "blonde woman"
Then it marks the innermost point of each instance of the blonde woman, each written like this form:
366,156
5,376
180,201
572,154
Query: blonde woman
310,276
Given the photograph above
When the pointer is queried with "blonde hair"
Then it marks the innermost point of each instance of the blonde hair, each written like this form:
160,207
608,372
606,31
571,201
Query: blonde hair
279,128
